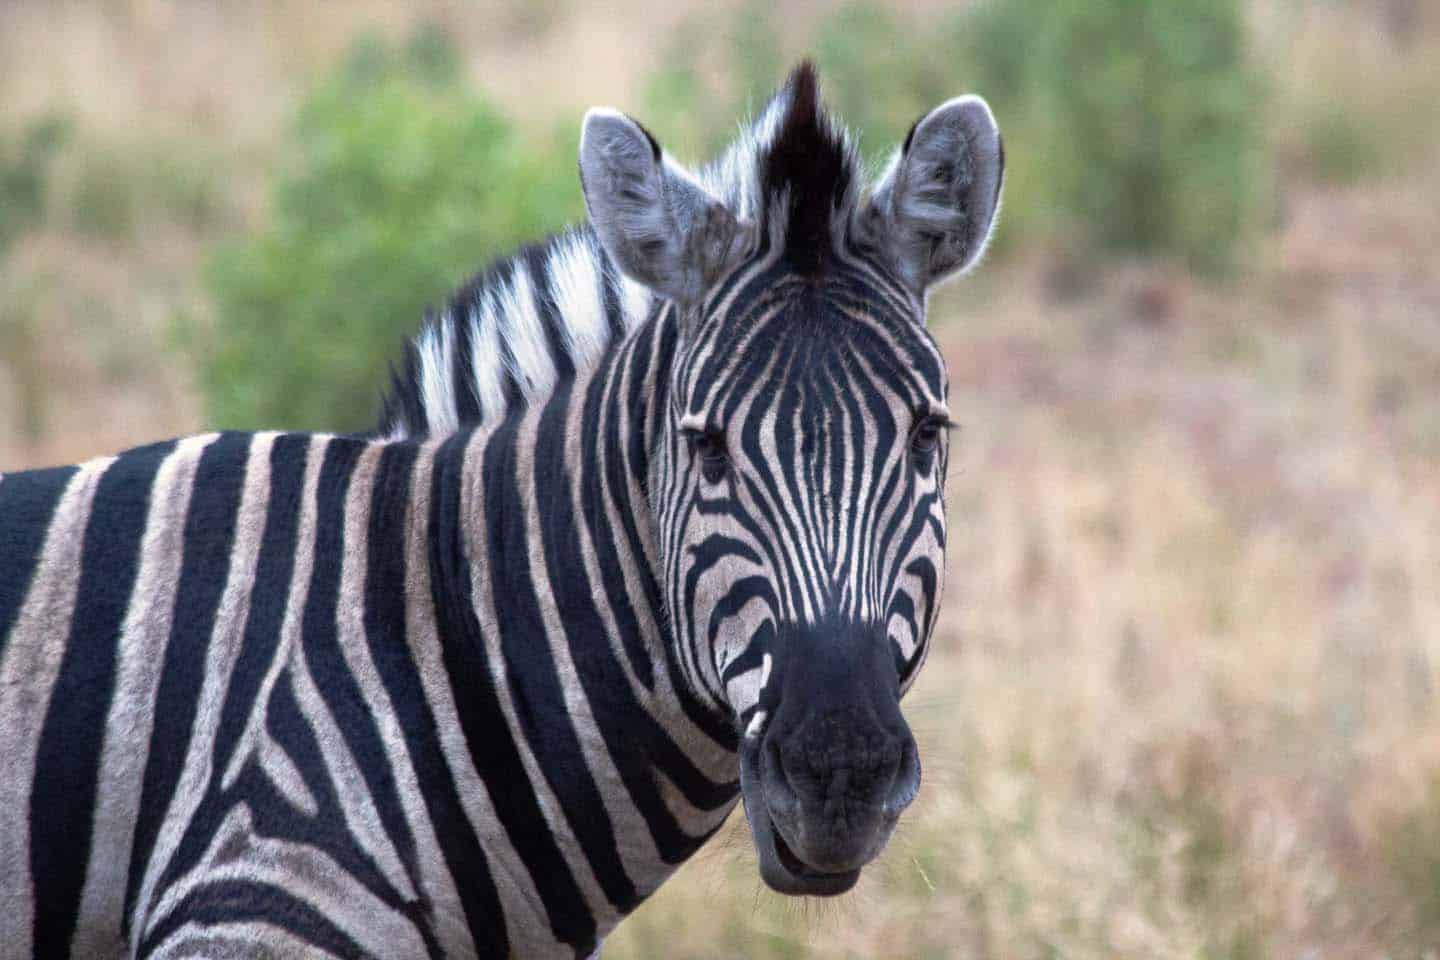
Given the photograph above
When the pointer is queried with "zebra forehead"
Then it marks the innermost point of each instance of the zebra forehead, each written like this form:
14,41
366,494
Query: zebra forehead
816,344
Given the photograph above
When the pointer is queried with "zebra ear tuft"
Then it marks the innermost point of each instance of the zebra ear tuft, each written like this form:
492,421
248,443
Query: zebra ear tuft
935,205
655,220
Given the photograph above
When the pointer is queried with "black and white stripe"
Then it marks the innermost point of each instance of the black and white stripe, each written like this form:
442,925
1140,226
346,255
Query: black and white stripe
312,681
479,694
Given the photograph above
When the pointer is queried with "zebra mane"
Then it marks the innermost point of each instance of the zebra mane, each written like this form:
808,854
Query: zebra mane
537,317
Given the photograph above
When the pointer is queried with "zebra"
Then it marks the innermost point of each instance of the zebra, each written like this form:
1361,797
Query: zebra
478,693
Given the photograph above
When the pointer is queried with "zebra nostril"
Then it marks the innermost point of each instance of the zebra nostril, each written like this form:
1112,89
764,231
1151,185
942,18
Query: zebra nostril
906,783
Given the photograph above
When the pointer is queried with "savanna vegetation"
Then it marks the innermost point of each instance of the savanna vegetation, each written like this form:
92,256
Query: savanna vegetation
1183,696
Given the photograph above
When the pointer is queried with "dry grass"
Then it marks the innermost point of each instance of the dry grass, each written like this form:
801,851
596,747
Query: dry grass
1183,696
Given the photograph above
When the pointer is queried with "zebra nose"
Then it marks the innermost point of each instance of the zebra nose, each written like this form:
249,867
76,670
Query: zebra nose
835,787
834,765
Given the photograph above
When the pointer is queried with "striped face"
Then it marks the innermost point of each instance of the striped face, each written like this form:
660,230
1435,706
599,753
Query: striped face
803,528
798,485
804,488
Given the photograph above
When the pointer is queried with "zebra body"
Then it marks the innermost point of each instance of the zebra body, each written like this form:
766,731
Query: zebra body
479,693
317,674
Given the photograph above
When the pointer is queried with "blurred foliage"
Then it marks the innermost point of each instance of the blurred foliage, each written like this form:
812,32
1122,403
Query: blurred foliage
1344,131
26,163
1134,128
117,189
1137,126
1142,122
399,182
1337,146
26,168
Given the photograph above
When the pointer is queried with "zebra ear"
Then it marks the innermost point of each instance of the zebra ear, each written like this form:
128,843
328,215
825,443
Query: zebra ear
653,217
934,207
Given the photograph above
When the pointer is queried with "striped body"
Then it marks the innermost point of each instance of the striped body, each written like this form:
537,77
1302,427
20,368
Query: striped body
311,692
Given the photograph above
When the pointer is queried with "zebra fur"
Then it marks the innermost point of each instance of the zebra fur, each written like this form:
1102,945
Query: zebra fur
479,695
338,643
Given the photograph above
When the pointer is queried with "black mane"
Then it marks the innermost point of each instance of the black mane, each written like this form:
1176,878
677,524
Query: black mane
810,165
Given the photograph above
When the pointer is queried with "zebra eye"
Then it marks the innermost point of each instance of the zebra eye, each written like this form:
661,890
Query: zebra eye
925,437
709,446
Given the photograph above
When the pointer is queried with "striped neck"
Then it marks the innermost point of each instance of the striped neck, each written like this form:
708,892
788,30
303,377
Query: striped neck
544,579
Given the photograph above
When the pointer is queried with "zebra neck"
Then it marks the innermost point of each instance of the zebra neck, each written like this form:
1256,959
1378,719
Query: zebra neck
544,587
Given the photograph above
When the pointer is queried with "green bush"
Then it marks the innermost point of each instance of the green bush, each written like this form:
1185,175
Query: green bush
26,164
399,182
1141,122
105,199
1337,145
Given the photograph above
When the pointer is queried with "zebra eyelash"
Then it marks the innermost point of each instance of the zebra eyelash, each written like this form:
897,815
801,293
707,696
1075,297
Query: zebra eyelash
926,430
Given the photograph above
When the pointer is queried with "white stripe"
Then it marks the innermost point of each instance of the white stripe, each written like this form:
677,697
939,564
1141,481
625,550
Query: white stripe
485,357
635,300
530,361
757,722
575,283
436,346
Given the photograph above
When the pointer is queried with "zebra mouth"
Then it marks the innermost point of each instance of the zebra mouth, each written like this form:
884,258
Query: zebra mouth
821,883
784,872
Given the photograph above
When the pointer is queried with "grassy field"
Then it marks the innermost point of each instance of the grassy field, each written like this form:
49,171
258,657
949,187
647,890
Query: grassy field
1183,699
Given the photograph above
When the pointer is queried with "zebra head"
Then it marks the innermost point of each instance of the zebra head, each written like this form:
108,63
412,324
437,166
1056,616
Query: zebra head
797,483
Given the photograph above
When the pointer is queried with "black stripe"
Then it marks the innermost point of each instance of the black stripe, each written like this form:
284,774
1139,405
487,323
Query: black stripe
274,575
263,625
386,635
327,831
209,541
62,803
487,734
273,814
462,360
27,503
609,292
598,469
402,406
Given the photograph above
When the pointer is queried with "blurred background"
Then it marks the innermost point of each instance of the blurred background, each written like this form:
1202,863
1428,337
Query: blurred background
1183,696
